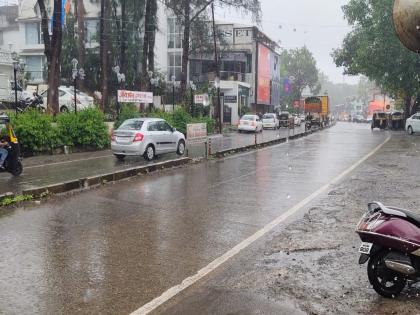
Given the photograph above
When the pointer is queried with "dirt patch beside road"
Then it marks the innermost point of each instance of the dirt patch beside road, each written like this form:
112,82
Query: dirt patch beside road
313,261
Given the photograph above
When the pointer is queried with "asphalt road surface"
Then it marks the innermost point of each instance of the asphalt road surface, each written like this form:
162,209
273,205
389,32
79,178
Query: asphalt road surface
114,249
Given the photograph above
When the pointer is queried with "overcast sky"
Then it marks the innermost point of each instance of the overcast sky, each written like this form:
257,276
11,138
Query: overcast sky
317,23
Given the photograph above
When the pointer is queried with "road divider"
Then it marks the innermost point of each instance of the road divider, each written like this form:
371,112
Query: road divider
98,180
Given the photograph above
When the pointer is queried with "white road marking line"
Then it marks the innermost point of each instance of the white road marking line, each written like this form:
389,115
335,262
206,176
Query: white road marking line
170,293
68,162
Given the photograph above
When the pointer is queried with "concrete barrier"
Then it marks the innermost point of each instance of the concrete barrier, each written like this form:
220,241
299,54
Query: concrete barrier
85,183
224,153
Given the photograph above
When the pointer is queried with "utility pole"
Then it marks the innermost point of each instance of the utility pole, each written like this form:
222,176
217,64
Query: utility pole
217,80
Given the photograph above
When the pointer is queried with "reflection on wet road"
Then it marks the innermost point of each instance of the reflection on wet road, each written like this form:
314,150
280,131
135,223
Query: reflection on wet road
112,250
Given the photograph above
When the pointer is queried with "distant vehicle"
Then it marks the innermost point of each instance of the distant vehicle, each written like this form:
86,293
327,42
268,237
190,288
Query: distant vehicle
412,124
270,120
66,99
250,123
358,119
319,108
379,120
146,137
7,91
284,119
396,120
296,120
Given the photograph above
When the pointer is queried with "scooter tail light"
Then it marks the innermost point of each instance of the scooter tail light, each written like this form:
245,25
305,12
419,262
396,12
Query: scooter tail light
138,137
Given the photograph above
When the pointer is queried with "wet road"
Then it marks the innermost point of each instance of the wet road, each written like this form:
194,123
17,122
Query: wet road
111,250
42,171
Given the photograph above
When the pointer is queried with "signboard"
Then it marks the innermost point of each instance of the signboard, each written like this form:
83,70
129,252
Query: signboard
225,32
231,99
201,99
243,35
125,96
324,100
296,104
196,133
263,88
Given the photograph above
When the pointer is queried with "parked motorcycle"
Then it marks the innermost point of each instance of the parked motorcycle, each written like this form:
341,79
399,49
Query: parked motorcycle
391,244
36,102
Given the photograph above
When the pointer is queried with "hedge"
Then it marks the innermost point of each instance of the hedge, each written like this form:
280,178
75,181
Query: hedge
178,119
37,132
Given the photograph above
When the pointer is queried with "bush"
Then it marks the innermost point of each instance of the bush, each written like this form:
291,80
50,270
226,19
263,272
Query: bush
35,131
128,111
84,129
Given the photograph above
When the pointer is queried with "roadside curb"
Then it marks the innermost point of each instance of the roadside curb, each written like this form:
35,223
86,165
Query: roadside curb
250,147
98,180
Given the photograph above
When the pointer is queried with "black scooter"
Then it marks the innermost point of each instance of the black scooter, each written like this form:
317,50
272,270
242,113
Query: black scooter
13,162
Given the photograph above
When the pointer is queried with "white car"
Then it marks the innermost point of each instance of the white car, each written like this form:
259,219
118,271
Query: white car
270,121
412,124
146,137
297,120
250,123
66,99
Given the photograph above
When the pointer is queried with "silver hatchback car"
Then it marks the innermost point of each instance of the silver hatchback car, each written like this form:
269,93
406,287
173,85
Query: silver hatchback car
148,137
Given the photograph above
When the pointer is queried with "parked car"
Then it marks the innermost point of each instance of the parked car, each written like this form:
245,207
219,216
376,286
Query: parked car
412,124
297,121
146,137
270,120
250,123
66,99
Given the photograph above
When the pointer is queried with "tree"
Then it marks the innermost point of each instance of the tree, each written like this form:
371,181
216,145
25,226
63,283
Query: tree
190,11
52,50
373,49
105,49
150,28
299,66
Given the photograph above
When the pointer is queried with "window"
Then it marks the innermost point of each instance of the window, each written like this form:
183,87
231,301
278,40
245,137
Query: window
163,126
153,126
174,65
174,33
34,66
91,30
33,33
131,125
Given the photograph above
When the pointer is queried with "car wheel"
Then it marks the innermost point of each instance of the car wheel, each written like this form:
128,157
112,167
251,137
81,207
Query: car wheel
181,147
64,109
149,154
120,157
410,130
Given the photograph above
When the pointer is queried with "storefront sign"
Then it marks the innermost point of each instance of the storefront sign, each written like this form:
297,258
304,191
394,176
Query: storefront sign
243,35
231,99
125,96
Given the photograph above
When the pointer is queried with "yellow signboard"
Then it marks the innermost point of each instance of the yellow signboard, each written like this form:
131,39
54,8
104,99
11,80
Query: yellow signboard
324,100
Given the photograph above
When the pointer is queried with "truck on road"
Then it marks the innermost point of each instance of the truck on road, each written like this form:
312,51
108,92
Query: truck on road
317,110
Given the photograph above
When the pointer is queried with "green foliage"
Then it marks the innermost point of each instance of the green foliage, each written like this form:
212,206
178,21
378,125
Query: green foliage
300,64
373,49
16,199
84,129
128,111
35,131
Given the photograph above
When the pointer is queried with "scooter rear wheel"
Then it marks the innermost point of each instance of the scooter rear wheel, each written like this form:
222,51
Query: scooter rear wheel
385,282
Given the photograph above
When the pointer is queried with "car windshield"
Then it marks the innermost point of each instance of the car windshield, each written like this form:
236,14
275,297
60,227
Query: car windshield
268,116
248,117
131,125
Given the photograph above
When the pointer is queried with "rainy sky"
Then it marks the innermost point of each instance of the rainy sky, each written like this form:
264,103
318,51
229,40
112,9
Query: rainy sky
318,24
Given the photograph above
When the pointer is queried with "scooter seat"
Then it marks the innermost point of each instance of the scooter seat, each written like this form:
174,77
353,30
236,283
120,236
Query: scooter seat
402,213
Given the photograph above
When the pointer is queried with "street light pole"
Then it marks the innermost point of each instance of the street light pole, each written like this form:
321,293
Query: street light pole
173,94
16,96
76,73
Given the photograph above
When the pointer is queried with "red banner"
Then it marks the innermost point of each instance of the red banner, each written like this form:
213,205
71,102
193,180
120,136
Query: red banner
263,96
